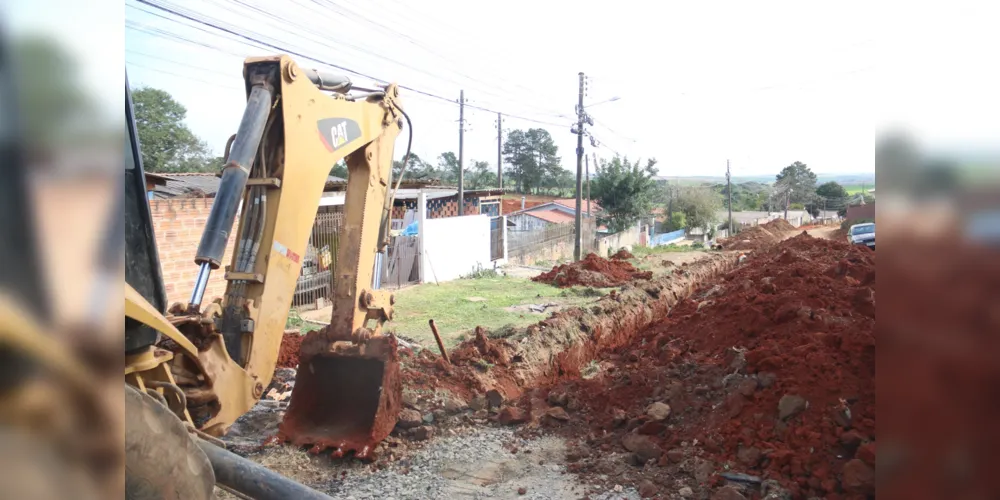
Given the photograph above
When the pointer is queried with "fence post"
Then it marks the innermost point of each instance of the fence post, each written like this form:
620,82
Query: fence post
421,232
503,220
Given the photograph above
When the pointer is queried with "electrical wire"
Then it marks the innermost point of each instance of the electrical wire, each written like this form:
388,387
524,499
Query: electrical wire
256,42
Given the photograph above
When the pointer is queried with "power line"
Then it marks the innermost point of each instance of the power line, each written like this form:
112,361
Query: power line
257,42
148,68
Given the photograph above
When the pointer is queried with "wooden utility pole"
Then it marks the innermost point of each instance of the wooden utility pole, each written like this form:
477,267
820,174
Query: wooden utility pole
729,193
578,240
461,157
499,149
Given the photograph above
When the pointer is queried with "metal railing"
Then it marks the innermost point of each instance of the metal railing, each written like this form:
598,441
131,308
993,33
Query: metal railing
316,280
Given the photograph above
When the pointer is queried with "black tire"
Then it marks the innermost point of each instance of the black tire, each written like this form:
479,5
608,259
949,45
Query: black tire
162,461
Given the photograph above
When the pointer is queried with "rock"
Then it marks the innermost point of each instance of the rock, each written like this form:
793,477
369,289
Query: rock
686,492
409,419
728,493
557,413
644,447
619,417
409,399
512,415
703,470
658,411
428,418
454,404
675,455
647,489
748,456
651,428
858,477
748,387
494,399
423,433
478,403
866,453
772,490
766,379
791,405
522,490
852,439
559,399
481,414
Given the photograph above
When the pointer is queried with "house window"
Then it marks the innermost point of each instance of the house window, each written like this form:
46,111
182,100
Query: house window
491,208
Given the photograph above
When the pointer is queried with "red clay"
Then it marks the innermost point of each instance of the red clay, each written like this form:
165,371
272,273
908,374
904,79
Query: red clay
758,237
593,271
803,316
288,353
622,254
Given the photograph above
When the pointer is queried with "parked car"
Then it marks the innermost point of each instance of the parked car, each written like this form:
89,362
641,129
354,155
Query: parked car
862,234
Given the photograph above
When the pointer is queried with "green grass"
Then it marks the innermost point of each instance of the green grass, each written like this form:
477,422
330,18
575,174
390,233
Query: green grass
853,189
456,316
296,321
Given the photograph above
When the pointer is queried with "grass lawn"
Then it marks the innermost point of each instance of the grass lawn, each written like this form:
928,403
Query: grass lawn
856,188
457,316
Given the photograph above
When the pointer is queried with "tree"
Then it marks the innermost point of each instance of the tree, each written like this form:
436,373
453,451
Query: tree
676,221
832,196
53,110
796,183
166,142
831,190
700,206
533,160
481,176
625,191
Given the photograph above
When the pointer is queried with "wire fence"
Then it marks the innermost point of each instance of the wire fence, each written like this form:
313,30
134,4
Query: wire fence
314,286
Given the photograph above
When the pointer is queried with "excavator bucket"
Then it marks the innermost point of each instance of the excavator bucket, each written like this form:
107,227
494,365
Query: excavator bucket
346,397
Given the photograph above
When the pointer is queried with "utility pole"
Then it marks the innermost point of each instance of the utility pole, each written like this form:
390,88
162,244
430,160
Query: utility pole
578,241
729,193
596,167
788,200
499,148
461,157
587,158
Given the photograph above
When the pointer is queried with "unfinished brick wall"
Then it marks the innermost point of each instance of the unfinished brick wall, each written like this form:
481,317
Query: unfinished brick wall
178,224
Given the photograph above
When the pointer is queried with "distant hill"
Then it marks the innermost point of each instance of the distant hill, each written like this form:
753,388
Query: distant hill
844,179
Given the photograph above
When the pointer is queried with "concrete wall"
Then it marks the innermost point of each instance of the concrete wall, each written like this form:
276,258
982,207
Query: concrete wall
455,246
549,244
178,223
861,212
627,238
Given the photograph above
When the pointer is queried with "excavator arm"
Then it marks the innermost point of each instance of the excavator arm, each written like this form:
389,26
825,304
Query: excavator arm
296,125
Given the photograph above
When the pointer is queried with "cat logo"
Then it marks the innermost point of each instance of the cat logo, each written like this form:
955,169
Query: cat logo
335,133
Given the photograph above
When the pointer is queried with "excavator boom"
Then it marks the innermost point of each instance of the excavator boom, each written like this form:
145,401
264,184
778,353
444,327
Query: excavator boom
296,126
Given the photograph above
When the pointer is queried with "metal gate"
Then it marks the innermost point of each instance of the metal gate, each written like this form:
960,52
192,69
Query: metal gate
314,286
496,238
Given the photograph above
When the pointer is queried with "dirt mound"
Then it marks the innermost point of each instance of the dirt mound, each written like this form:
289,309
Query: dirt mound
288,353
758,237
593,271
769,369
622,254
779,225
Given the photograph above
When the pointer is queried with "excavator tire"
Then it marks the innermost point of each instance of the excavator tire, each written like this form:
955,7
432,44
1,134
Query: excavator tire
162,460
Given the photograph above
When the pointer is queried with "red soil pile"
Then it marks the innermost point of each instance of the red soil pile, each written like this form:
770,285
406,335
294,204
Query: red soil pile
592,271
622,254
758,237
769,368
288,353
779,225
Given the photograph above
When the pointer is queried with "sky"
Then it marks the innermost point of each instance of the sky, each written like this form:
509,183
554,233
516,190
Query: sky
762,84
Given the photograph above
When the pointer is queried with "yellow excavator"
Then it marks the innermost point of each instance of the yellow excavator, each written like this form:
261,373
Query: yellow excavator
195,368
